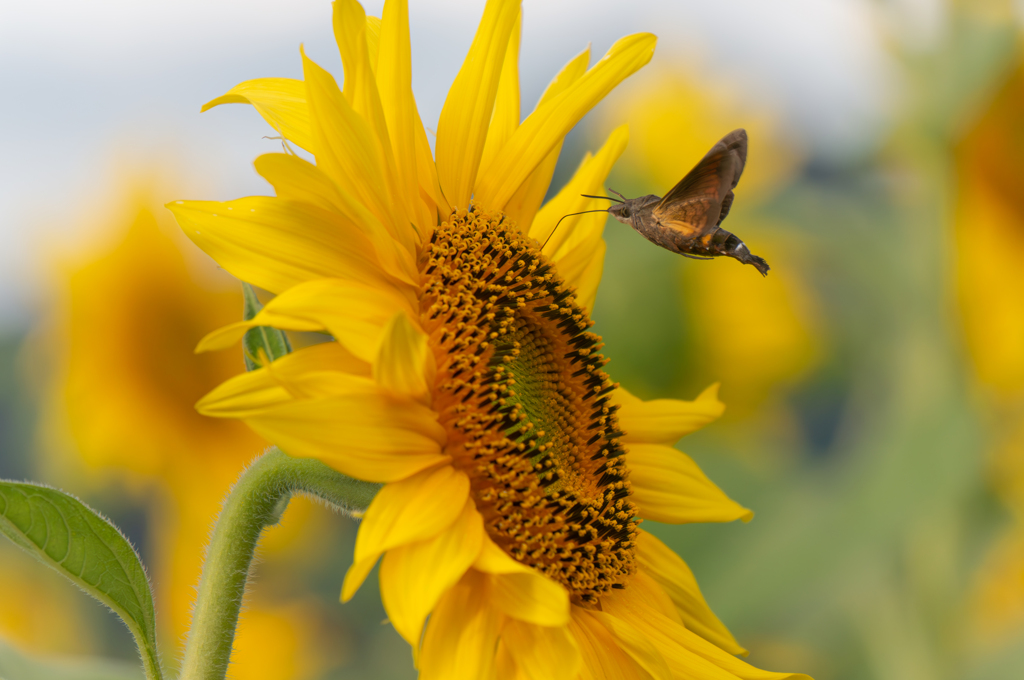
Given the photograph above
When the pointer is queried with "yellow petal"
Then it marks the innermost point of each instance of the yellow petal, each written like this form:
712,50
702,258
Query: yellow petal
404,362
549,124
686,653
523,205
588,179
426,171
665,421
373,25
580,267
542,653
461,636
349,22
639,646
520,591
673,575
669,487
360,88
403,512
570,73
354,313
281,102
363,431
505,665
356,575
347,148
321,370
583,235
297,179
413,577
660,657
462,128
576,247
394,81
505,117
531,597
588,281
603,659
494,560
653,595
737,667
275,244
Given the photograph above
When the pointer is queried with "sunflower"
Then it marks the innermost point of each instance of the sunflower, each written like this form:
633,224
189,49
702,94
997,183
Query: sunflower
462,374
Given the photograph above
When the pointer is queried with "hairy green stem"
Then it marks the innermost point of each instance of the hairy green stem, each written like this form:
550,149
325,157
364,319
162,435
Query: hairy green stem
255,502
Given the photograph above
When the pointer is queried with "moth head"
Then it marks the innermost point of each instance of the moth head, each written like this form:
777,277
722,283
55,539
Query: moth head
621,212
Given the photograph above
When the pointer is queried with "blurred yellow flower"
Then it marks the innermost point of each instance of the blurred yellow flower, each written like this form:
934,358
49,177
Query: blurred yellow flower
990,241
120,407
462,374
989,236
753,334
40,613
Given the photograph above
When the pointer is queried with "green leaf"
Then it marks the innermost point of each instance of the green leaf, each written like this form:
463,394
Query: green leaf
69,536
271,341
17,666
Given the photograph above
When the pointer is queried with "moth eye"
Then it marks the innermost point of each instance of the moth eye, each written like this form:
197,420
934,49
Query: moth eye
625,212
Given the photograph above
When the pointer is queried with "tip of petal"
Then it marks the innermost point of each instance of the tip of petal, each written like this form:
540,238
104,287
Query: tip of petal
646,37
222,338
355,576
710,397
202,406
347,591
224,99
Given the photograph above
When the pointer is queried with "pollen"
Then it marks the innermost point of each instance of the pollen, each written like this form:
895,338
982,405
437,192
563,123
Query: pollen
521,392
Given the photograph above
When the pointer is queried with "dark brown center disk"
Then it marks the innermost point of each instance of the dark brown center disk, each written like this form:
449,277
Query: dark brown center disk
525,403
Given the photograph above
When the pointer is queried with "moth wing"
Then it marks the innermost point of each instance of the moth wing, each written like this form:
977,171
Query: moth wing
701,200
689,219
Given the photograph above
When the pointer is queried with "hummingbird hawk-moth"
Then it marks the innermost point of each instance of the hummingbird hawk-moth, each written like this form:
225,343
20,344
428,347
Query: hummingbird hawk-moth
687,220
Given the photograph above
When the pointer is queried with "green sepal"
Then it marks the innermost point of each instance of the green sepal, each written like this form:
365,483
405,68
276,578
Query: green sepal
69,536
261,340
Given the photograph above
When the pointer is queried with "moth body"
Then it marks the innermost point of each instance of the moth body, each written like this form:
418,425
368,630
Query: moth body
686,221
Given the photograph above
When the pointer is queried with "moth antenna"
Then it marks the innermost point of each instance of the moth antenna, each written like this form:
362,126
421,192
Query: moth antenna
607,197
560,221
624,199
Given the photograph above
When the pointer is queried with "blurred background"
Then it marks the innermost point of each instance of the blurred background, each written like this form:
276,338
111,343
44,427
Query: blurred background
874,381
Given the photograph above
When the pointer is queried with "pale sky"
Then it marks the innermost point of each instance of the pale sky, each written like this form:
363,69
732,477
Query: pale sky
91,90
